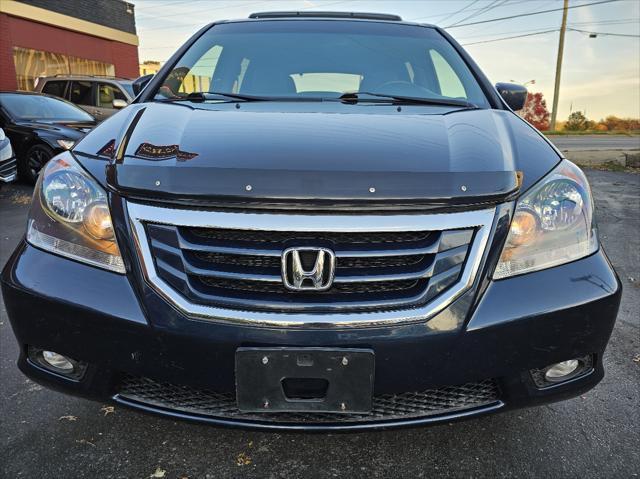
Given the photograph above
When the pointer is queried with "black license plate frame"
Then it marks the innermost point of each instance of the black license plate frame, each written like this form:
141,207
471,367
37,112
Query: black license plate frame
262,372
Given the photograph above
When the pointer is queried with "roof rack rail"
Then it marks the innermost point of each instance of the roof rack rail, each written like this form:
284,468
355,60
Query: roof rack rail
109,77
358,15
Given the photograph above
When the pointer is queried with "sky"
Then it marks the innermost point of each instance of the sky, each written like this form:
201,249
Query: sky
600,76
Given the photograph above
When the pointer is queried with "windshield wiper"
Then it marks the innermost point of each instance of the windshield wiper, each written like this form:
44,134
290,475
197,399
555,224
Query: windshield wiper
354,97
202,96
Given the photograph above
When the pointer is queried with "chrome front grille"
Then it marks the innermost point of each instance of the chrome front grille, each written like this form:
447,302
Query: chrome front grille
227,267
242,268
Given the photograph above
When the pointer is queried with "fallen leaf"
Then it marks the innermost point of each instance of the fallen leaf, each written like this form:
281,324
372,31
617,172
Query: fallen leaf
243,459
636,358
158,474
68,418
84,441
108,410
19,199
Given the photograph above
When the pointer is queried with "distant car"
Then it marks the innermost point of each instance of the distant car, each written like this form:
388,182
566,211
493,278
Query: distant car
40,127
98,96
7,160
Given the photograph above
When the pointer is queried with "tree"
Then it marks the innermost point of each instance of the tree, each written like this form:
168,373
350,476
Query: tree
614,123
535,111
578,122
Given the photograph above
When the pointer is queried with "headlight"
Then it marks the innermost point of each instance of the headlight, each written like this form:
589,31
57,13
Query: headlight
2,136
66,144
553,224
70,216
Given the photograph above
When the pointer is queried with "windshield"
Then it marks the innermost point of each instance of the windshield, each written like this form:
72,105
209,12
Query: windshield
36,107
324,59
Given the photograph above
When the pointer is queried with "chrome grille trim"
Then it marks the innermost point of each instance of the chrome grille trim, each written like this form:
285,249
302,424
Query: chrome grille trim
140,214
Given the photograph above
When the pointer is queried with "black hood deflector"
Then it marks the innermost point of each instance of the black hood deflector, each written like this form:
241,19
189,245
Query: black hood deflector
348,153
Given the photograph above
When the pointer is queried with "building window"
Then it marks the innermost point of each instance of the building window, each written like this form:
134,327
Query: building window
31,64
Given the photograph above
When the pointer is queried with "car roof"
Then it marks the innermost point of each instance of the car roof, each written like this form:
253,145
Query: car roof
22,92
86,77
327,15
35,93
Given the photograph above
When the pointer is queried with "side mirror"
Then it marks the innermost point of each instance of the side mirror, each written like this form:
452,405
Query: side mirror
139,83
514,95
118,103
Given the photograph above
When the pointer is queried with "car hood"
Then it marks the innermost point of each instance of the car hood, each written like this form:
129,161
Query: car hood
259,153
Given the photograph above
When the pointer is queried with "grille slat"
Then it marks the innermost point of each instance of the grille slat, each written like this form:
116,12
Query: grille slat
242,268
386,407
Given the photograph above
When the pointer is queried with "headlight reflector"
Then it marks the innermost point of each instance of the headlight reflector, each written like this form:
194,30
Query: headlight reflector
553,224
66,144
69,216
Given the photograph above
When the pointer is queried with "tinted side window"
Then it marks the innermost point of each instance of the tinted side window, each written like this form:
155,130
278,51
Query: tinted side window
81,93
55,88
107,93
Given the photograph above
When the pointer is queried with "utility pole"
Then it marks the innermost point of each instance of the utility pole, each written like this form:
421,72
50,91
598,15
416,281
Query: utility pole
556,89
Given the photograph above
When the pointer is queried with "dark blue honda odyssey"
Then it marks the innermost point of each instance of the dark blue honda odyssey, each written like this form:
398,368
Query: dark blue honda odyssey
314,221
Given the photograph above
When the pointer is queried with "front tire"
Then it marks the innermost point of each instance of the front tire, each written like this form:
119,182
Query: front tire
33,161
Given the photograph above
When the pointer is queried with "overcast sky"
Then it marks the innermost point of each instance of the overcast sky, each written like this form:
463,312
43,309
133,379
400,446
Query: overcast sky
600,75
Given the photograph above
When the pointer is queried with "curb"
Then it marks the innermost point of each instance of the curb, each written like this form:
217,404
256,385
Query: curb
625,158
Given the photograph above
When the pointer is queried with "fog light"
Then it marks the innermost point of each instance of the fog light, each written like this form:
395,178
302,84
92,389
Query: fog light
560,370
563,371
57,361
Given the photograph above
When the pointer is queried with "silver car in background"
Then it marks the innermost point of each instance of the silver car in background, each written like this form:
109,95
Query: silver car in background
7,160
100,96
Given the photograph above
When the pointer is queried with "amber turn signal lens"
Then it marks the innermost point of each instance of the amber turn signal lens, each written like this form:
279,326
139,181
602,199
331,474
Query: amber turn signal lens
97,221
524,228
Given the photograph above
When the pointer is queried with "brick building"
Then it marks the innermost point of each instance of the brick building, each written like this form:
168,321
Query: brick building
49,37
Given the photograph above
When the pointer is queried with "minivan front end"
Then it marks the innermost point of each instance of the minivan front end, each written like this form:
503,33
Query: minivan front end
307,262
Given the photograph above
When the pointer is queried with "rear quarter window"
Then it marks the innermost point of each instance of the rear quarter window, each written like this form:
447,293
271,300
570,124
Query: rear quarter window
55,88
82,93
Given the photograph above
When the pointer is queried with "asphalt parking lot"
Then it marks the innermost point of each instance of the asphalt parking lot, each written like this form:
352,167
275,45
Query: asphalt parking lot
49,435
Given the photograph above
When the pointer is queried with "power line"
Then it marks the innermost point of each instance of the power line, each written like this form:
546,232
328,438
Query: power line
531,14
448,14
204,22
510,38
460,11
144,6
489,7
573,24
604,33
550,31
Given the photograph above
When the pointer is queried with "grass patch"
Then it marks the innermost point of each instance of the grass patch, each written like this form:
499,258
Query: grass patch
592,132
612,166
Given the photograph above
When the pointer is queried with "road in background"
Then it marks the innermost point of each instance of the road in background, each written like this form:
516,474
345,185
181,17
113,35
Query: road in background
45,434
595,142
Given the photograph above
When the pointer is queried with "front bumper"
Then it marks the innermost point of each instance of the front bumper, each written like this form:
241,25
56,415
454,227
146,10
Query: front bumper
129,335
8,165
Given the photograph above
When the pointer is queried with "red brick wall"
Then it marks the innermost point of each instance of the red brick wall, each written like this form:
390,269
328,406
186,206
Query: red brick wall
20,32
7,69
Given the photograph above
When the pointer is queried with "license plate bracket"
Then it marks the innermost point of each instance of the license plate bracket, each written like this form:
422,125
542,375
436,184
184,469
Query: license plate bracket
336,380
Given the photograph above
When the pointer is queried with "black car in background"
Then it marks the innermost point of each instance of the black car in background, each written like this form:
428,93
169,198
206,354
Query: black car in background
39,127
314,221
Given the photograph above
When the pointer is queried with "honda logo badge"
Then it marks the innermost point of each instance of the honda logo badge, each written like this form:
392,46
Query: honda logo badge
308,268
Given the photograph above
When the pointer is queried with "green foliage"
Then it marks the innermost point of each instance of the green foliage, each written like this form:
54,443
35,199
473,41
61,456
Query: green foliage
577,121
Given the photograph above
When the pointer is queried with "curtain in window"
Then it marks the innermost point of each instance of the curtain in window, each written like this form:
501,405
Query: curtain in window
31,64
